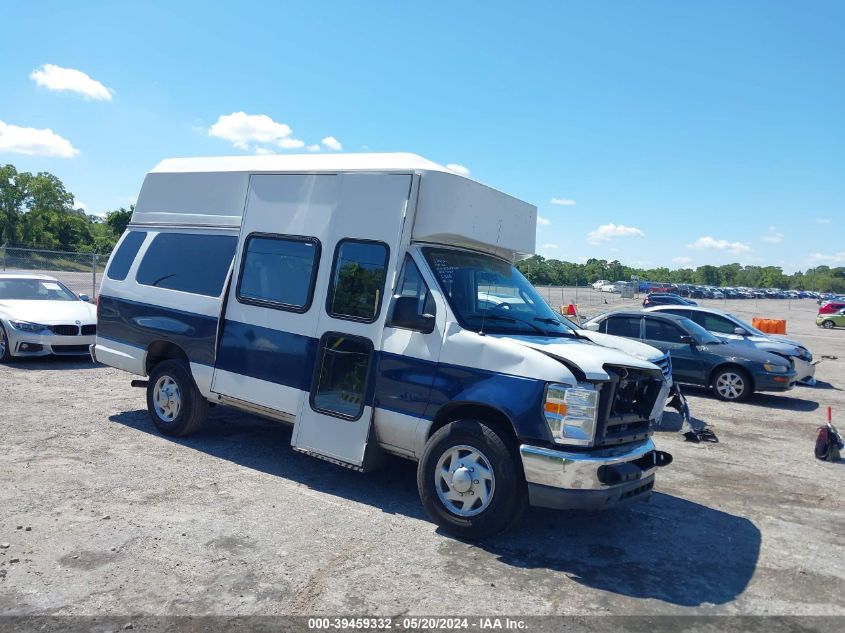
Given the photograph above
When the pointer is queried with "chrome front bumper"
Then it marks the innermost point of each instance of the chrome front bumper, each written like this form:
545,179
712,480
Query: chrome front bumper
590,480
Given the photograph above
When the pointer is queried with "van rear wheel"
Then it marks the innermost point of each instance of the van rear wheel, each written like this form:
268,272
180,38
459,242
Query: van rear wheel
174,403
469,482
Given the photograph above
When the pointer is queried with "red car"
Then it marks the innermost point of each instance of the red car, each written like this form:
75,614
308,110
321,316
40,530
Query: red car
831,307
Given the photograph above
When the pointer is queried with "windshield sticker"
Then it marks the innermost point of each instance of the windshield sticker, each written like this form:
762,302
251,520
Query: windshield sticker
49,285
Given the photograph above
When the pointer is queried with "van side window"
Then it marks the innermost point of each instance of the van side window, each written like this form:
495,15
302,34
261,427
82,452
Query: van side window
188,262
279,271
340,382
357,282
125,255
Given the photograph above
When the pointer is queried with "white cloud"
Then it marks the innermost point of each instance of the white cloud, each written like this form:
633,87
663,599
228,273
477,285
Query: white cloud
710,243
291,143
458,169
564,202
541,221
550,246
244,130
836,258
78,204
313,148
34,142
263,151
682,261
58,79
332,143
608,231
772,237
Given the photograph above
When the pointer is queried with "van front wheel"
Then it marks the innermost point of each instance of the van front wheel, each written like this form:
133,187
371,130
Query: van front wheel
174,403
469,481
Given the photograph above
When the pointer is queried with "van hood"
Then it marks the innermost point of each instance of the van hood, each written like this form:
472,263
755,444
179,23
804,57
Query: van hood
629,346
586,355
48,312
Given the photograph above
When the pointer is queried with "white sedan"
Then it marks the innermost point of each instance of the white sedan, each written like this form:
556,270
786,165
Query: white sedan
40,316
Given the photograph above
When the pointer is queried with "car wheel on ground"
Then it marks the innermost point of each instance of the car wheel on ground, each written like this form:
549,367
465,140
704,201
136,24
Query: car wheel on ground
828,324
731,383
5,352
174,403
469,481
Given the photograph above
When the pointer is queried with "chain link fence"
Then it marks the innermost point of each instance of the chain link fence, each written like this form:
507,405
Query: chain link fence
81,272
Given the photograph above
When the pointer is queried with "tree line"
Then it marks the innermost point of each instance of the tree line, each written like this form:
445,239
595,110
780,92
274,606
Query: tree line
542,271
38,211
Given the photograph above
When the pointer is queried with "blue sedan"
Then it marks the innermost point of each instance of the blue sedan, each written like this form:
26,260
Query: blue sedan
733,372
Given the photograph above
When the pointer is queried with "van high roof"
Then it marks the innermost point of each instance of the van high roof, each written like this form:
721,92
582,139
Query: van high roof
448,208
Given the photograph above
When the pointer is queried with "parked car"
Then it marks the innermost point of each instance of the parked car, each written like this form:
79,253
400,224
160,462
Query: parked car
831,307
39,316
616,286
600,283
830,321
731,371
660,299
733,329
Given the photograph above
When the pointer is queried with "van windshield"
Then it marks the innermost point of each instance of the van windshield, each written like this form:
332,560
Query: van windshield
491,294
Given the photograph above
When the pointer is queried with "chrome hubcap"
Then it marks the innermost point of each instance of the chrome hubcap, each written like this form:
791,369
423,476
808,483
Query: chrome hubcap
730,385
167,399
464,480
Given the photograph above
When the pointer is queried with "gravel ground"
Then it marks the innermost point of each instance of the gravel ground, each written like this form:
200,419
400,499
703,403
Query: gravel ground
104,516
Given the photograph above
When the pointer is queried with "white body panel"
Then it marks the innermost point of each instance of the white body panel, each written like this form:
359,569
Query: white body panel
370,207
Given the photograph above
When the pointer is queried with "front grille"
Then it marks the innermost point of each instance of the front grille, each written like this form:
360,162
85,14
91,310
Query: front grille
665,364
88,330
625,405
65,330
69,349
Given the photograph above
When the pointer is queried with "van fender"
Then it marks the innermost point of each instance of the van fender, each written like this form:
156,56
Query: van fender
484,412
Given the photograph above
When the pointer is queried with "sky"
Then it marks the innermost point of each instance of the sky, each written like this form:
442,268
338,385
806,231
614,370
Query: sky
658,133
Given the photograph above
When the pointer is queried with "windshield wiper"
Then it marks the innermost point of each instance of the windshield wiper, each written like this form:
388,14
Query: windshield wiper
502,317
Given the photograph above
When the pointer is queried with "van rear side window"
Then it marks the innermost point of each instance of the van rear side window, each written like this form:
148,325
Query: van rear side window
188,262
357,283
278,271
125,255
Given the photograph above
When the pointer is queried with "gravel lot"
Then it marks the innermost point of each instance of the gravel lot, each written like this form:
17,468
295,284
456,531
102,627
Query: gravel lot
104,516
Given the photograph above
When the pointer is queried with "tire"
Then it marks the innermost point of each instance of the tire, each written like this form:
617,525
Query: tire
5,352
473,446
828,324
174,403
732,384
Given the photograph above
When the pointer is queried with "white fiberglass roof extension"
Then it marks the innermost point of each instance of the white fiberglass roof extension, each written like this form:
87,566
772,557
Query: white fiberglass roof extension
450,208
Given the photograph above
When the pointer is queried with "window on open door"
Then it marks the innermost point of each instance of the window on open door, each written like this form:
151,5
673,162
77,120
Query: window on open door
357,282
342,372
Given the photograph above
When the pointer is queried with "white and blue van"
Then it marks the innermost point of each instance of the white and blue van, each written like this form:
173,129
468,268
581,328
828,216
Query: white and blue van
370,300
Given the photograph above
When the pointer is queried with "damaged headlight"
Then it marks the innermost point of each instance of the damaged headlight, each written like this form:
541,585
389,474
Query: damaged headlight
571,413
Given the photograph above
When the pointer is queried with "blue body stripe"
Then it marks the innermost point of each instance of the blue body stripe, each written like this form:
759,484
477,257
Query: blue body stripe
272,355
402,384
140,324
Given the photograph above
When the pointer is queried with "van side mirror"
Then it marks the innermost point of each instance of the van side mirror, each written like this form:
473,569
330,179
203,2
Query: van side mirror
405,314
84,297
739,331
